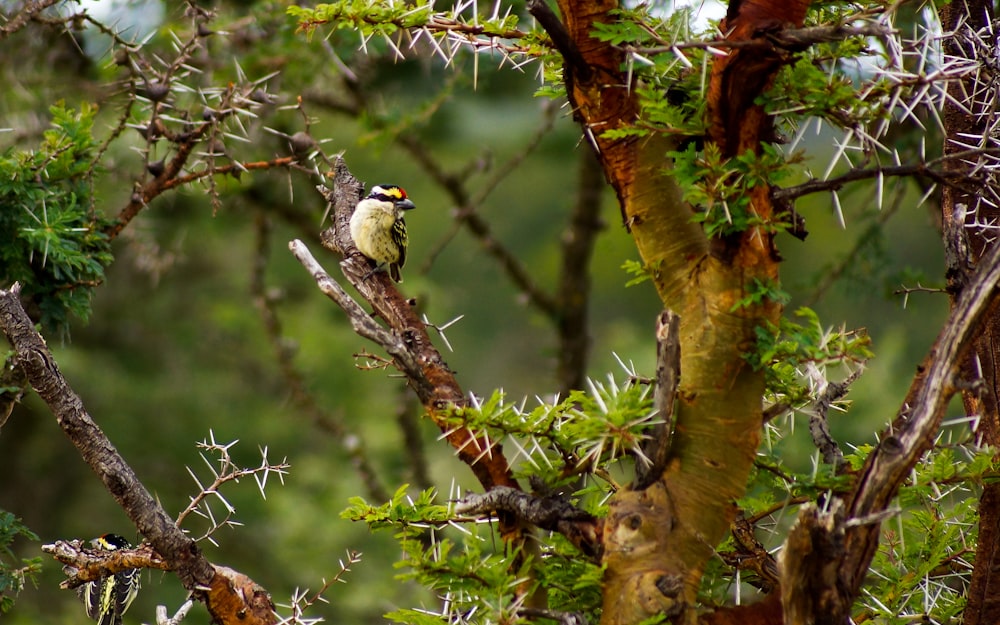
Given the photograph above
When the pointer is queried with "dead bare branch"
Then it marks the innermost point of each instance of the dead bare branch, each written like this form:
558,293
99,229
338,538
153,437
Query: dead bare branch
668,372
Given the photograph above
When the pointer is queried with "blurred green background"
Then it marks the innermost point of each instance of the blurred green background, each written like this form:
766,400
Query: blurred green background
175,347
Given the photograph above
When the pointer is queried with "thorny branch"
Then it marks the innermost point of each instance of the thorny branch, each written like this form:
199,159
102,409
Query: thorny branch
792,39
928,169
266,301
361,322
548,513
405,338
302,601
216,586
849,530
466,200
850,258
819,428
28,12
196,130
227,471
566,308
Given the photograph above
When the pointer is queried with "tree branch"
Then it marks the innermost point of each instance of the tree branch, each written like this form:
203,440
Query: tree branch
561,38
351,443
809,571
573,290
455,186
30,9
792,39
211,584
548,513
819,427
668,375
406,338
750,555
88,565
909,436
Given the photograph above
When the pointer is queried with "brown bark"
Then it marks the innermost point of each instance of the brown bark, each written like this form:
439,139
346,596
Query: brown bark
178,550
407,340
964,249
983,598
736,124
658,539
602,100
913,430
719,409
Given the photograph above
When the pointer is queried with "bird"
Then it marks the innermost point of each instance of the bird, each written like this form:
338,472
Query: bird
107,599
379,230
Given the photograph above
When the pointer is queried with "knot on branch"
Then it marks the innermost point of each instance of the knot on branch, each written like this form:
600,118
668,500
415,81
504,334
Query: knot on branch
234,598
640,580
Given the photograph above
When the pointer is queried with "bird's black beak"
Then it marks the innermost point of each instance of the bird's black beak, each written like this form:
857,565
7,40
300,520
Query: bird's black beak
405,204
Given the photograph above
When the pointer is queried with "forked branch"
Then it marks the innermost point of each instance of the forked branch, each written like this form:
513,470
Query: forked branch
230,596
849,531
404,336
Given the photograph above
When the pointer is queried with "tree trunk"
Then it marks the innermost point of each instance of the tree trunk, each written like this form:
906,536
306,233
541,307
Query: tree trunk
965,247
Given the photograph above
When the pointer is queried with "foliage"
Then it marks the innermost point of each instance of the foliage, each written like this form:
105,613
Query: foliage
14,572
458,559
720,188
557,442
925,558
590,435
582,446
57,248
794,352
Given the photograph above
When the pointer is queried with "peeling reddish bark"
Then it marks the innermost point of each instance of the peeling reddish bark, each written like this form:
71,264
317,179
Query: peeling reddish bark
736,124
598,92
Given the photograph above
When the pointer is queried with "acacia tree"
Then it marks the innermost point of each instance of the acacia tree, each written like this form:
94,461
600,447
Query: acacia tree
686,129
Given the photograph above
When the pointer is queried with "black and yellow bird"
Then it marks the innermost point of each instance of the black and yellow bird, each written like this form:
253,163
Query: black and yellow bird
108,598
379,230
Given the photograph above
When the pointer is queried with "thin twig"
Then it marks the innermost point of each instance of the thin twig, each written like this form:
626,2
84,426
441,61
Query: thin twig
30,9
787,39
294,380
